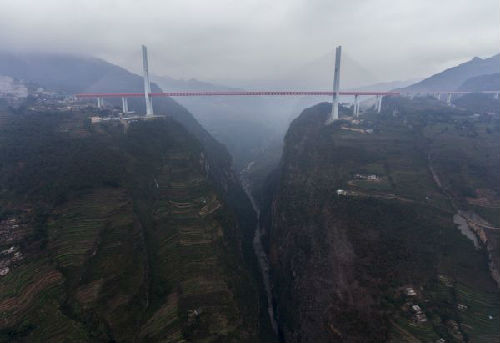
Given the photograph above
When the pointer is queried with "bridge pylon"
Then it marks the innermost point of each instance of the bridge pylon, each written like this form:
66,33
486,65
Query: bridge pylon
147,84
334,115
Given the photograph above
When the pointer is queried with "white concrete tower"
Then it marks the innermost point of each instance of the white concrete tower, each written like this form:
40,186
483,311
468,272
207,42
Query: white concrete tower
124,105
147,84
336,84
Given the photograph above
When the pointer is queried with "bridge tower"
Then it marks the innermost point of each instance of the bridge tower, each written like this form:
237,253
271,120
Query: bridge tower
147,84
334,115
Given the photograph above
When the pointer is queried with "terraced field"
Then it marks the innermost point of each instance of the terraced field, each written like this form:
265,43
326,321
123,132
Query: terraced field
123,238
74,232
188,242
480,318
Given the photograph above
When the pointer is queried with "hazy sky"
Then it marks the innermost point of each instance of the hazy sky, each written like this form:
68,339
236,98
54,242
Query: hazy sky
252,39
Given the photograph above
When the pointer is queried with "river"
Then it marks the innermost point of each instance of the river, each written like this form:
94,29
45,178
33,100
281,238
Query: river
259,251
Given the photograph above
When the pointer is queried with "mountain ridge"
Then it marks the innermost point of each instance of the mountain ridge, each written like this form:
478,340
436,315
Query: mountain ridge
452,78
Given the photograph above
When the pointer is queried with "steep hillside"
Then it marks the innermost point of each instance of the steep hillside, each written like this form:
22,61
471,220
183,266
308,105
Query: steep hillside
453,78
478,103
119,236
360,230
487,82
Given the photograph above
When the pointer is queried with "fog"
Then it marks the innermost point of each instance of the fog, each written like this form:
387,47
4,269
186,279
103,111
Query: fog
261,43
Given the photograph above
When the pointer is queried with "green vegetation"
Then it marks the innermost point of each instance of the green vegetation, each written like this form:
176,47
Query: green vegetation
129,238
386,235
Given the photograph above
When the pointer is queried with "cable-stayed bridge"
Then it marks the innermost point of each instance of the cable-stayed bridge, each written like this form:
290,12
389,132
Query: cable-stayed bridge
334,93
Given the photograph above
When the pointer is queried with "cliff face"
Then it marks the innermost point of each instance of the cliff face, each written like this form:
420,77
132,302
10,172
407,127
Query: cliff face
342,264
112,236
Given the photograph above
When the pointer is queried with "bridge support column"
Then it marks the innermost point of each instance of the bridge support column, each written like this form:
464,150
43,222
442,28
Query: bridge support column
379,103
496,95
100,102
124,105
439,96
334,115
355,110
147,84
448,99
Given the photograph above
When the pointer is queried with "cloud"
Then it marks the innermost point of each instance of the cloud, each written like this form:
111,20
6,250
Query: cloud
259,39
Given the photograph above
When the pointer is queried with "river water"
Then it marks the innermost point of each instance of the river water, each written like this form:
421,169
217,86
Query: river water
458,218
258,248
464,228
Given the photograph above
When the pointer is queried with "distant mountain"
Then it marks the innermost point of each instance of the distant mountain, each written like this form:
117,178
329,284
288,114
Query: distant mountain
480,83
453,78
316,74
68,73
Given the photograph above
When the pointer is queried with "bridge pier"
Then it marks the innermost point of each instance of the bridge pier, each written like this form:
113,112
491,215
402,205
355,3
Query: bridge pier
334,115
448,99
496,95
379,103
355,110
439,96
124,105
100,103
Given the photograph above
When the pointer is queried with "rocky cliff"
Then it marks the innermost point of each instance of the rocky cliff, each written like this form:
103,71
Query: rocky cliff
361,240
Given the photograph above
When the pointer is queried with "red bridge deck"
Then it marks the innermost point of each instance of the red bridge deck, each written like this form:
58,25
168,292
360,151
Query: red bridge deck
229,93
